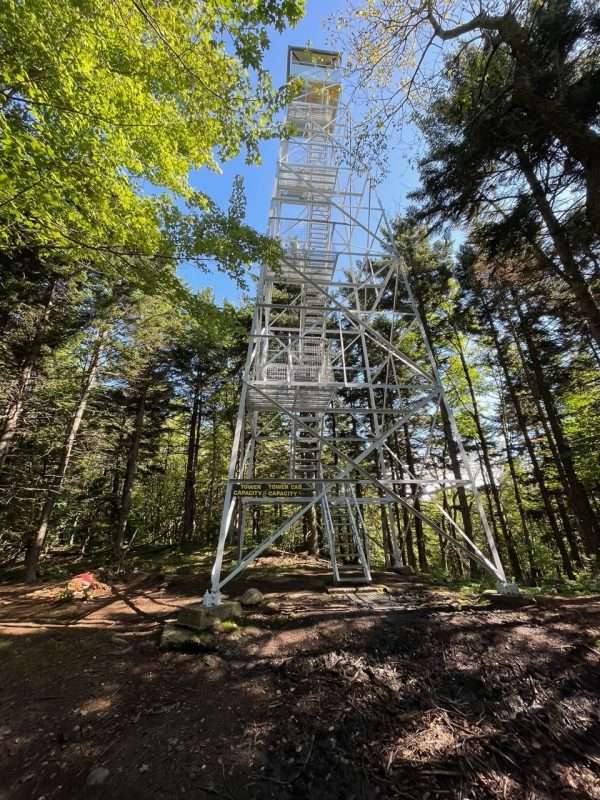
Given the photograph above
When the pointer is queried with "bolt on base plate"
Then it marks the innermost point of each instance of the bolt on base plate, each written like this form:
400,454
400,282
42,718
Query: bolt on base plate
212,599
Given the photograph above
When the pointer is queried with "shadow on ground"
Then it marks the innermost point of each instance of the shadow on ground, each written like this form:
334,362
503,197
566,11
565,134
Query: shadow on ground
405,695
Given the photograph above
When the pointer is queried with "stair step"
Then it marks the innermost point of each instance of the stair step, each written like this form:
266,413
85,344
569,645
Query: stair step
352,579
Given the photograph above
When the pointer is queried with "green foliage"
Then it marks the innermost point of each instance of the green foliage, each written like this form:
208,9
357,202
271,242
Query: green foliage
106,107
155,348
228,626
581,403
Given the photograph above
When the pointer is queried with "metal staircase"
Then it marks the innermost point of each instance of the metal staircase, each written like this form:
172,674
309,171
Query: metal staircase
346,540
306,450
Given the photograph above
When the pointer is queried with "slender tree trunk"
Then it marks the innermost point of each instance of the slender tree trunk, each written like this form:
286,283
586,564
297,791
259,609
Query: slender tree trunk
570,272
557,461
189,491
581,141
594,349
463,501
453,452
569,532
319,528
443,545
400,528
578,498
12,414
455,555
417,522
130,472
537,472
36,542
387,539
213,475
312,536
408,553
533,569
485,492
407,520
115,493
506,532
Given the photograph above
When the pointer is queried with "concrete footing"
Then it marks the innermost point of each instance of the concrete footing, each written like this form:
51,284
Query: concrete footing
201,617
504,587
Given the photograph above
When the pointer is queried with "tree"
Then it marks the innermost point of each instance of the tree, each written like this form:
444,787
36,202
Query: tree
429,270
201,361
102,100
105,108
488,165
533,373
552,49
44,302
88,380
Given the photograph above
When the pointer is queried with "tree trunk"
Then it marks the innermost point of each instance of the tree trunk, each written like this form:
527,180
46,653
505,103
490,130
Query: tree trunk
189,491
211,516
582,143
557,461
533,569
455,554
537,472
130,473
387,539
463,501
506,532
569,532
312,536
418,523
14,409
578,498
410,557
399,527
36,542
571,272
453,453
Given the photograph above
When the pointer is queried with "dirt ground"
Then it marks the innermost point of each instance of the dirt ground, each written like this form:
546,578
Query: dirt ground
410,693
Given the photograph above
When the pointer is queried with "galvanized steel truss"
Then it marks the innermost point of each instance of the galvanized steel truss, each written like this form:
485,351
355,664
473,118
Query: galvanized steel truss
326,380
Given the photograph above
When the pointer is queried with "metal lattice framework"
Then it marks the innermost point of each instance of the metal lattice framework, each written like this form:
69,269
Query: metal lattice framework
326,386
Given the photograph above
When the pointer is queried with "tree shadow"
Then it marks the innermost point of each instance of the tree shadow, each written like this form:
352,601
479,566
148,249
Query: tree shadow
475,704
342,701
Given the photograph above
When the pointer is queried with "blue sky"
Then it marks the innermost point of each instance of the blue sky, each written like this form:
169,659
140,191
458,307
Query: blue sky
258,180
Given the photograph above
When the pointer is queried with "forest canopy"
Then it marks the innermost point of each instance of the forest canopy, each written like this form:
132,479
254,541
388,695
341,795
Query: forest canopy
506,98
106,110
340,540
107,107
119,386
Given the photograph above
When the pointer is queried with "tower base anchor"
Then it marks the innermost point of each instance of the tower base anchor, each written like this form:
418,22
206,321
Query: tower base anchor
504,587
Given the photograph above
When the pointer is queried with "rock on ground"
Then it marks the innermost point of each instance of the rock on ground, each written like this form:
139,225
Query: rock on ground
176,637
272,607
252,597
98,776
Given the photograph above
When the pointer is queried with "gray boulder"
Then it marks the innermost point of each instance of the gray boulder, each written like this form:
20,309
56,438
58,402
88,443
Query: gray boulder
252,597
98,776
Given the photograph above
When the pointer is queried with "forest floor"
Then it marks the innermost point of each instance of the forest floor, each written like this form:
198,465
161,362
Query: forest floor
413,692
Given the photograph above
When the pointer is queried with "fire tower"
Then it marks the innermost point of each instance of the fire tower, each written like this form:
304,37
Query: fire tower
327,388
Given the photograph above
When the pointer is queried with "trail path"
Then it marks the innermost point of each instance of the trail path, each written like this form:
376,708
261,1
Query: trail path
409,693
